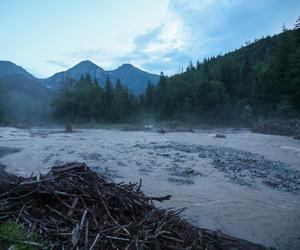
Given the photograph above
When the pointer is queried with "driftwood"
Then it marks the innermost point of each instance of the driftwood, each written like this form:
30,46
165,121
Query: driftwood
72,207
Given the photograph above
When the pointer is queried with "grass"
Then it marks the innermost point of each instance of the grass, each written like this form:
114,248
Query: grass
14,236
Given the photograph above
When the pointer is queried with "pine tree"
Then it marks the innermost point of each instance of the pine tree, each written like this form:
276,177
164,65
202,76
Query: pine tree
160,92
108,92
191,67
161,100
244,87
149,96
206,70
198,65
297,25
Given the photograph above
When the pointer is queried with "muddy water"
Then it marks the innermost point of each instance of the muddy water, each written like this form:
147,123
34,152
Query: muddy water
246,185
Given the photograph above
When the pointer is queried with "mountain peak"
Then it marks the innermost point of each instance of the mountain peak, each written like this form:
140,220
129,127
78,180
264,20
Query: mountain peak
9,68
86,64
127,65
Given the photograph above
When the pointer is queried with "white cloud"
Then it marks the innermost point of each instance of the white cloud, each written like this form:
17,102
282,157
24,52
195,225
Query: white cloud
191,30
171,35
57,63
153,50
204,5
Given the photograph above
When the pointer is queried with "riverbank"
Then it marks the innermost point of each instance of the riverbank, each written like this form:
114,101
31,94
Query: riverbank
281,127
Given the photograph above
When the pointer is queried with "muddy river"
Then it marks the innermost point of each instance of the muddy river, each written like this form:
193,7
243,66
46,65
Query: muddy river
246,185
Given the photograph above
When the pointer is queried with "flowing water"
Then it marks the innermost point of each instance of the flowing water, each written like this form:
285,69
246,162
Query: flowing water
246,185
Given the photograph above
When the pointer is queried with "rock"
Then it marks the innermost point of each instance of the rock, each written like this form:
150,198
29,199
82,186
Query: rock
161,130
220,136
297,137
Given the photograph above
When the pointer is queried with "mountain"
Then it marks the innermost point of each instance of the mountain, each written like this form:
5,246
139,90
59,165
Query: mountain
82,68
22,96
134,78
8,68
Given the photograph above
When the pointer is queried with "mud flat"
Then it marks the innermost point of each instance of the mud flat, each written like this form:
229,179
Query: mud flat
245,185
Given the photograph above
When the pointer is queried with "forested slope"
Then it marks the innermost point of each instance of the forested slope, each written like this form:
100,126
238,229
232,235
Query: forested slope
260,80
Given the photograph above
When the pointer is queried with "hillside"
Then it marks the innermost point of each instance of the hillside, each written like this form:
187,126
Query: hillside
8,68
258,81
24,100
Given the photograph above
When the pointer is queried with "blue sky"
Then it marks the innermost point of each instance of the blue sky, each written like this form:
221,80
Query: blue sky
45,37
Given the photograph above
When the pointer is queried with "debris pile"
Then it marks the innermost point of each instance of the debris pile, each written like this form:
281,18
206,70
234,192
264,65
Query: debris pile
73,207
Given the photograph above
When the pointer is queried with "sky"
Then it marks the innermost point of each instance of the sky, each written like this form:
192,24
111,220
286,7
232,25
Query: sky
46,37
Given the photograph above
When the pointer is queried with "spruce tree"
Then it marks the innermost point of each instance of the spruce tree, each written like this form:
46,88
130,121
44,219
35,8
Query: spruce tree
149,96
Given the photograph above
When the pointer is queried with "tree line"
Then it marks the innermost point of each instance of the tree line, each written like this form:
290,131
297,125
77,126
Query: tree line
259,80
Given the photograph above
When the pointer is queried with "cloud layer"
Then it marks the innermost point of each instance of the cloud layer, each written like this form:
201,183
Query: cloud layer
57,63
194,29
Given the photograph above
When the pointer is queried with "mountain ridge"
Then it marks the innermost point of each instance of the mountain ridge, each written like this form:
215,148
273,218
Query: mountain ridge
133,78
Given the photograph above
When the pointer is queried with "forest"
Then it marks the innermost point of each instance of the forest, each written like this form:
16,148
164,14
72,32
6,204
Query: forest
85,101
261,80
